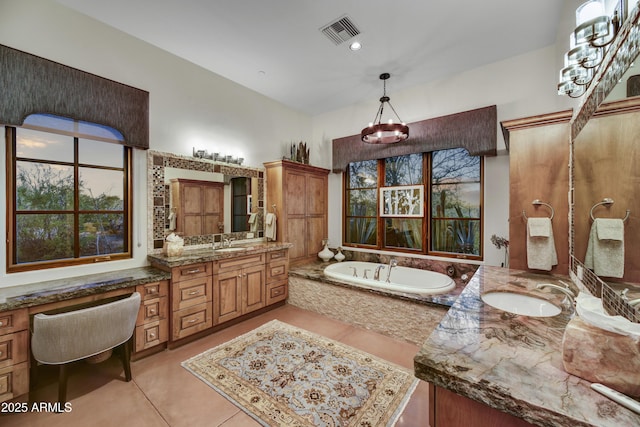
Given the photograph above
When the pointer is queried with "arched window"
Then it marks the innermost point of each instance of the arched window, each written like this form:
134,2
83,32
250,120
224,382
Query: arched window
68,193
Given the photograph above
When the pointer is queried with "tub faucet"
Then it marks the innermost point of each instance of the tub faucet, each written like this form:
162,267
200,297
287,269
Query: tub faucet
570,295
376,274
355,273
392,263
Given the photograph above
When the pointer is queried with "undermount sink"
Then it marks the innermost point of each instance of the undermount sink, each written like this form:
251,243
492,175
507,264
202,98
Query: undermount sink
525,305
229,249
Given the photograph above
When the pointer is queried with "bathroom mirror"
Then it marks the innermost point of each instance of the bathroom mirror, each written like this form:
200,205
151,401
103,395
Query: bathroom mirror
243,195
605,177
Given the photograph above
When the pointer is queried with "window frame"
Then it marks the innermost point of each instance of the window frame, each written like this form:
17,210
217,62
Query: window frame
11,203
426,218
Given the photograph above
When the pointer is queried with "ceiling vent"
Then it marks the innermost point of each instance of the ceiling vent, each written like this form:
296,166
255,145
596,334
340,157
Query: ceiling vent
340,30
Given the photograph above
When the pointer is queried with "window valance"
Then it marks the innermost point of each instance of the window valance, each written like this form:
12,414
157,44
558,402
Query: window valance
475,130
30,84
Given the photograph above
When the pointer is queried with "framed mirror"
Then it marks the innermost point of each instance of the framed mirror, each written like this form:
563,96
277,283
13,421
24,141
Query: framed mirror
242,202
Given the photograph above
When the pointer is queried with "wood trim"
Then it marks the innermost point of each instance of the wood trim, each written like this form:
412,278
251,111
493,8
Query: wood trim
509,126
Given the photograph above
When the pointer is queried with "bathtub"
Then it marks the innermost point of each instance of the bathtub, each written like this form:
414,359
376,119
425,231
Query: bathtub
402,279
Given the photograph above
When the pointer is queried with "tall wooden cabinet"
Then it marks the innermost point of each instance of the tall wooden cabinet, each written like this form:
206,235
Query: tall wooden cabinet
199,206
299,193
538,169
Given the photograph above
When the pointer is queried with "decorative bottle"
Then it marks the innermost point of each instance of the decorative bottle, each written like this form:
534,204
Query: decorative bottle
325,254
339,256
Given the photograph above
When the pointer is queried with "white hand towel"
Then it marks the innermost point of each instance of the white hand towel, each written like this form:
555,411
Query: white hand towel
541,248
270,228
252,218
605,256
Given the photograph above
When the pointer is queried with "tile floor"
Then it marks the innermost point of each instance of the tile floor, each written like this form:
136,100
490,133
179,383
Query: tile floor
163,393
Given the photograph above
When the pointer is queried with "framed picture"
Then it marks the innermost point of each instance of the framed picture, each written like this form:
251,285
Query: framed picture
407,200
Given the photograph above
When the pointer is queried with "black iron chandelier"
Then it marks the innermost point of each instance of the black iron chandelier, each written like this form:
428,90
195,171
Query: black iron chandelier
389,132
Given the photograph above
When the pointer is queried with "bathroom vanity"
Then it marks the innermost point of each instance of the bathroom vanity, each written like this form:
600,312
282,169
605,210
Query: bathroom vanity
488,367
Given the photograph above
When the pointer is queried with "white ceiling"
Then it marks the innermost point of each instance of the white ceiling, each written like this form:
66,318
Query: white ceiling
275,47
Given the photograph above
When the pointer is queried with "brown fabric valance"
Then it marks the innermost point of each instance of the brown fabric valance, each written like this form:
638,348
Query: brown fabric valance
475,130
30,84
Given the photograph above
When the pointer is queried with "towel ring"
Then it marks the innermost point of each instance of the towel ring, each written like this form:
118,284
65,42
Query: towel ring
607,201
538,202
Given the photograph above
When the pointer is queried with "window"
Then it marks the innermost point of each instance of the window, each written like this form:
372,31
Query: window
68,194
427,203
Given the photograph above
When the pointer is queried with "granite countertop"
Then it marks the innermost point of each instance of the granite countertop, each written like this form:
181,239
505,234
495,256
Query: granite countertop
315,271
193,256
33,294
513,363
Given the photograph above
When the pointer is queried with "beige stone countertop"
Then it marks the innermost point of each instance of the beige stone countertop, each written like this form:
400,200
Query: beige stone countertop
510,362
315,271
33,294
193,256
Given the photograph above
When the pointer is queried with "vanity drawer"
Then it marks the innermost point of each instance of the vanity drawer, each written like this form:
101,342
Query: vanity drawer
151,334
191,320
191,292
13,321
278,255
153,290
14,381
277,292
277,271
238,263
153,309
190,271
13,348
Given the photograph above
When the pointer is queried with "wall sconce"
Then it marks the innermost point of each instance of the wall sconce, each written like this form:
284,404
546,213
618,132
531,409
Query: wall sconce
217,157
587,47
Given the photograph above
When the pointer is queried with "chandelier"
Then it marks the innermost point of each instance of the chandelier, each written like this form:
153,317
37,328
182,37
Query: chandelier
587,47
389,132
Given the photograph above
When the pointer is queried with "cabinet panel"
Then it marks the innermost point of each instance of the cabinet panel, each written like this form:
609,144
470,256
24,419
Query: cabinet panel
12,321
13,348
153,290
277,292
199,206
14,381
151,334
316,233
316,198
296,232
254,288
228,296
191,292
296,190
191,271
191,320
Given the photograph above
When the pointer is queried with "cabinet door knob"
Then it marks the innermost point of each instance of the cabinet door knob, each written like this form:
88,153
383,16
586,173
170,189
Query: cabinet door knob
152,336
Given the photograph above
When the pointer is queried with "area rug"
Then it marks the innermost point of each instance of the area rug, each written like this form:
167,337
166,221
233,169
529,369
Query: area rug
285,376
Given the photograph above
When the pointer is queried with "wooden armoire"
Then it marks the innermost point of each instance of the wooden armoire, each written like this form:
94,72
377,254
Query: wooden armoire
297,193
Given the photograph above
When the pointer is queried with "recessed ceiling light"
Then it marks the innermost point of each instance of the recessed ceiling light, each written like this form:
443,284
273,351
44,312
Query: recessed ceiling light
355,46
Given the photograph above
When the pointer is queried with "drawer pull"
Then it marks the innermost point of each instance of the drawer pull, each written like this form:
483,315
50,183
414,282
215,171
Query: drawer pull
196,292
194,271
192,321
1,323
152,291
152,311
152,336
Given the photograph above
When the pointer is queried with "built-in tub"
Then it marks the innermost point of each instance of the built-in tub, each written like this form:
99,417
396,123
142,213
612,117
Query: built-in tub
402,279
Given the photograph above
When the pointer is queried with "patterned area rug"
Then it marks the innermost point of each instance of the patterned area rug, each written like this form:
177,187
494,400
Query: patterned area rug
285,376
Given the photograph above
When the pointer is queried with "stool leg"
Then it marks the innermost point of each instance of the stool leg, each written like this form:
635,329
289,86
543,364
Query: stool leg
62,385
126,359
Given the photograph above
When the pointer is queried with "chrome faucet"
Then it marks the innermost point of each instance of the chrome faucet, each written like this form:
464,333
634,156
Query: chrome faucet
632,302
376,274
392,263
565,290
227,242
355,272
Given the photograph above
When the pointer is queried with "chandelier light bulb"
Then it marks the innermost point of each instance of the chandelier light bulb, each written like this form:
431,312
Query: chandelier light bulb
589,10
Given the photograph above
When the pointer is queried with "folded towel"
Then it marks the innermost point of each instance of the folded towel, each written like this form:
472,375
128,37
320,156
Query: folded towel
541,249
605,256
610,229
270,229
252,218
539,227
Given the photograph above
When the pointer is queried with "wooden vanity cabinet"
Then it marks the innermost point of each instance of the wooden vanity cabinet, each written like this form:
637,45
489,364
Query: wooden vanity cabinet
277,270
191,299
300,193
152,325
239,286
199,206
14,354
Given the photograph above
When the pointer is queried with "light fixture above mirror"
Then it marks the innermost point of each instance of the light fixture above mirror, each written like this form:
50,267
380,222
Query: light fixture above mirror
389,132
